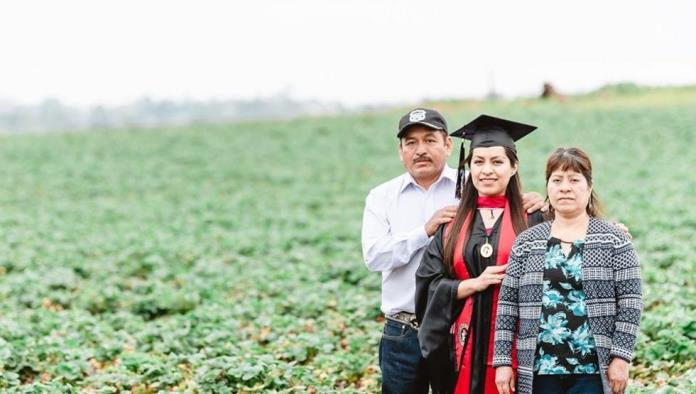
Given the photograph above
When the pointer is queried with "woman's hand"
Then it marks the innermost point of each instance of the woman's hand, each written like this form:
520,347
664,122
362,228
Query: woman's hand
505,380
492,275
617,373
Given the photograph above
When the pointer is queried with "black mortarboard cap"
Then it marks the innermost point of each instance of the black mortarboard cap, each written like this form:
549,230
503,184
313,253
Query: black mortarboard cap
486,131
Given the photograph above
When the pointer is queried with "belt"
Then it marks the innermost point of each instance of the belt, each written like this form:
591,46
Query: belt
405,318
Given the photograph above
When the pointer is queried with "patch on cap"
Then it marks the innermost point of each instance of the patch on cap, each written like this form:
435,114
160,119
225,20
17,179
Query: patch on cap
416,115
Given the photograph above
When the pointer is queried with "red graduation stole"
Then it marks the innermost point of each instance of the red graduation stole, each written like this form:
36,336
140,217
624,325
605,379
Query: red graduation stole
460,328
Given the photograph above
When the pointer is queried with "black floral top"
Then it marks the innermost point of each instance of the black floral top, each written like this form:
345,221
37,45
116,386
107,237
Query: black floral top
565,344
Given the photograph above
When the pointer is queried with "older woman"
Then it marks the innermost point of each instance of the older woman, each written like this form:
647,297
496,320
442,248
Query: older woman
571,295
459,276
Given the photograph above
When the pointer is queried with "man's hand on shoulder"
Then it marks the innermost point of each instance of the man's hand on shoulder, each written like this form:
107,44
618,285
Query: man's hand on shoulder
533,201
622,227
443,215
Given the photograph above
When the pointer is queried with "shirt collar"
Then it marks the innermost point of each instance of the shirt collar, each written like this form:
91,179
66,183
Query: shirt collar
447,173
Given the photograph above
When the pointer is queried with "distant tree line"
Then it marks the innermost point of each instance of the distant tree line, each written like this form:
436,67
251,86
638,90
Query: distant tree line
52,115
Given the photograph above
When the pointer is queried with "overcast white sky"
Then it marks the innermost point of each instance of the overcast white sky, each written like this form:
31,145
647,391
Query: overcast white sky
360,51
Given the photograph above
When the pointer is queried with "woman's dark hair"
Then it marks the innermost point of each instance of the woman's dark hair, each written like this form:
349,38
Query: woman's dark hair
467,206
574,159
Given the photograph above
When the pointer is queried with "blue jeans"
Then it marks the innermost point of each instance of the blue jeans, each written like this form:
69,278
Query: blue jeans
567,384
403,369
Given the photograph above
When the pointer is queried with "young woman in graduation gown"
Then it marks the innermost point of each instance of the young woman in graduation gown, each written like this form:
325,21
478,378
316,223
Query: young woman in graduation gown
458,280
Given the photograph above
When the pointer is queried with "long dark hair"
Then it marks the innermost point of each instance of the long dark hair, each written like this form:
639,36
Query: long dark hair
577,160
468,205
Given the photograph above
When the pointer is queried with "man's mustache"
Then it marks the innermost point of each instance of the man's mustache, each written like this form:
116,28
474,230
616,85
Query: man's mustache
421,158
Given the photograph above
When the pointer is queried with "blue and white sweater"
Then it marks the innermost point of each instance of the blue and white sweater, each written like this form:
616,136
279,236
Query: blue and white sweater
611,281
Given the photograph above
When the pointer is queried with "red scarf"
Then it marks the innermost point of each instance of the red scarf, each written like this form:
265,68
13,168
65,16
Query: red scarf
491,202
460,328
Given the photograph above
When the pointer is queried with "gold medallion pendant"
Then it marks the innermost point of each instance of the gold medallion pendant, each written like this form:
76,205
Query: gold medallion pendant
486,250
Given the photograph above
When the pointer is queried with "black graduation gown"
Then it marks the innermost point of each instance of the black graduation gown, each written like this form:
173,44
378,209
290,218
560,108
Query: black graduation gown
437,306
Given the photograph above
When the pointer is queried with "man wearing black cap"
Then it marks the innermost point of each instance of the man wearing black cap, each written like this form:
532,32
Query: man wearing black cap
400,217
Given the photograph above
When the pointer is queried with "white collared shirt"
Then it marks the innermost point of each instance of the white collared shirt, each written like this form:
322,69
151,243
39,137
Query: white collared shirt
393,233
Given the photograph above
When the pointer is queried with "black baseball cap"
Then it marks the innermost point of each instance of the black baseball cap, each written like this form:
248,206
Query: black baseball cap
422,116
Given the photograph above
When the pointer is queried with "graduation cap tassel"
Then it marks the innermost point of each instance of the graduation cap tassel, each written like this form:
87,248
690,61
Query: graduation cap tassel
460,172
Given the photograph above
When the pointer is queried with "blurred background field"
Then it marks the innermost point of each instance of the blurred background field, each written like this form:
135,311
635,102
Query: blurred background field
226,258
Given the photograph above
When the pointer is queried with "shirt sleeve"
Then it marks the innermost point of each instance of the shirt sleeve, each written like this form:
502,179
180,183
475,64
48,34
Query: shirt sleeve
629,298
384,250
507,316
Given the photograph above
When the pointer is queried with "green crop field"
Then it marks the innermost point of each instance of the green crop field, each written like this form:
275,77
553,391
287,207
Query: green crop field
220,259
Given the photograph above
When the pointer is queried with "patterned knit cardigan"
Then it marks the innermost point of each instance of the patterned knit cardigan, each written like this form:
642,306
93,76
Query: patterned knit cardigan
612,284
